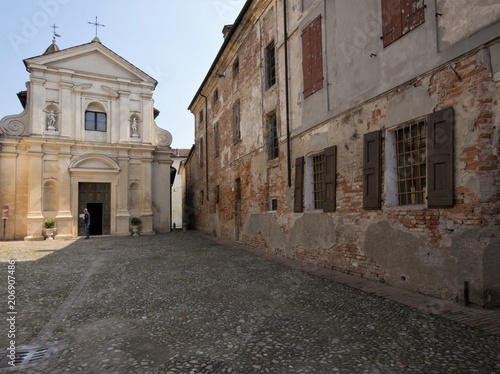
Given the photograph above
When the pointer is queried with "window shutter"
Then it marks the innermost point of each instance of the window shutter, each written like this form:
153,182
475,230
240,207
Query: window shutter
316,56
391,21
298,197
372,179
412,14
329,205
306,61
440,159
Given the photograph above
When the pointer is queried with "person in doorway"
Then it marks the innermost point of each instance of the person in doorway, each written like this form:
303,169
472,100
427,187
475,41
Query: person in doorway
86,220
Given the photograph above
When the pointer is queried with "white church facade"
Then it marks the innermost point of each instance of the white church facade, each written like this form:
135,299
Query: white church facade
87,138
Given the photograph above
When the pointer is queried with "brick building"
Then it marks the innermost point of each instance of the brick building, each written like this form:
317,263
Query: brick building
359,136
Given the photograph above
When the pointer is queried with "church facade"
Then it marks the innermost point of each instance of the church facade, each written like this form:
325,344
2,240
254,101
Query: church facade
87,138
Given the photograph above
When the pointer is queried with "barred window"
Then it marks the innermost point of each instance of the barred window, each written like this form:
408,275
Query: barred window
411,163
270,65
273,150
318,165
236,122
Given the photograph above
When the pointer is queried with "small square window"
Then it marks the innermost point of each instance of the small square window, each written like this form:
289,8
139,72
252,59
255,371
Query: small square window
274,204
95,121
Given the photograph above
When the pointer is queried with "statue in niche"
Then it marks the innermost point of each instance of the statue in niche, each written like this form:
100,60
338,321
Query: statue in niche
51,120
134,126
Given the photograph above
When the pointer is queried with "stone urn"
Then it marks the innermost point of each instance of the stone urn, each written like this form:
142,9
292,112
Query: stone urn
135,222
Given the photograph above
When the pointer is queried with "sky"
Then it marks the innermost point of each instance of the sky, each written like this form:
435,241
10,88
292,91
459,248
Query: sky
174,41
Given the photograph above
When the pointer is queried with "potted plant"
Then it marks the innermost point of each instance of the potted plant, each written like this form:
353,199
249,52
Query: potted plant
135,222
50,228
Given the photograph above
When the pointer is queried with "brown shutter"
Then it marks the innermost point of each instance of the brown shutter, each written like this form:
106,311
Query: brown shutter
391,21
298,197
306,61
316,55
372,178
329,205
412,14
440,159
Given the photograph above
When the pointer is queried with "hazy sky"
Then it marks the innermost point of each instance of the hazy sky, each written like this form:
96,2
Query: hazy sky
174,41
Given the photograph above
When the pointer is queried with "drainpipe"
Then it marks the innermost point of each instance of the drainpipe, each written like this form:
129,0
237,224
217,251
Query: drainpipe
287,102
206,144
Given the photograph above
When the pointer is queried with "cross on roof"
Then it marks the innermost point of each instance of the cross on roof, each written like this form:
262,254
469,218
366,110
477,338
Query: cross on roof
54,27
96,24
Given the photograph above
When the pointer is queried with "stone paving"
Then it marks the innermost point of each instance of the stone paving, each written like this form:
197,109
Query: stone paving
187,303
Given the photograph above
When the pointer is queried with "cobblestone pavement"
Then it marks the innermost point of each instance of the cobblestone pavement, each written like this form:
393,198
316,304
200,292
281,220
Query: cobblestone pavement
186,303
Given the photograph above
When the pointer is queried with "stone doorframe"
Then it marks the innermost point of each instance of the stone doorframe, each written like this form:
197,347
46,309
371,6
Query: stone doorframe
94,168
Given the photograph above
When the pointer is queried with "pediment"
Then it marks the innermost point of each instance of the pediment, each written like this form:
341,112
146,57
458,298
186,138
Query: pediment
91,59
94,163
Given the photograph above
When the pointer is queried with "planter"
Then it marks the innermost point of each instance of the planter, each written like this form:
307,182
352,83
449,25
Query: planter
135,230
49,233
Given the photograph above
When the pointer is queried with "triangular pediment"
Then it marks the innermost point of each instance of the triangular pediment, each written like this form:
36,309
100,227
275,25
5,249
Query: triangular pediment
90,59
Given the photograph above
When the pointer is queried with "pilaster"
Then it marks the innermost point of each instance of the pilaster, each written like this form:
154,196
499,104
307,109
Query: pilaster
35,217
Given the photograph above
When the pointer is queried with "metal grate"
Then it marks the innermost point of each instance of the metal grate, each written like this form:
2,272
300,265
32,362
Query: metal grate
318,177
411,159
26,356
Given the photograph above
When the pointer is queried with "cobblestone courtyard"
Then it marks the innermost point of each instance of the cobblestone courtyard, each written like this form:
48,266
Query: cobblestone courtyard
184,303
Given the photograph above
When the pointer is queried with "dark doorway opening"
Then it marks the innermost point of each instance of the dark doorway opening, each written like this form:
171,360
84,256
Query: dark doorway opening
96,197
95,210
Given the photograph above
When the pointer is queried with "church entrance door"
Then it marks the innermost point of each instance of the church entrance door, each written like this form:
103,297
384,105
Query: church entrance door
96,197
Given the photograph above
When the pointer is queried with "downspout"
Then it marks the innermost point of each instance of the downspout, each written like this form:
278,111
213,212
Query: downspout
287,102
206,144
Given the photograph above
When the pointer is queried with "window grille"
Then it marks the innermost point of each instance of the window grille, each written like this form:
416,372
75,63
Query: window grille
318,163
411,163
270,66
272,136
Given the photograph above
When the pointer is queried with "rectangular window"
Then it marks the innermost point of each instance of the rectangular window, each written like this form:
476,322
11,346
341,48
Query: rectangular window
318,170
200,116
95,121
274,204
236,68
270,65
399,17
216,140
217,193
312,57
419,162
236,122
201,152
411,163
273,150
316,181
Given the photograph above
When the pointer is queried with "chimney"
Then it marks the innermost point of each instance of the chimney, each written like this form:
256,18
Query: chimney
226,29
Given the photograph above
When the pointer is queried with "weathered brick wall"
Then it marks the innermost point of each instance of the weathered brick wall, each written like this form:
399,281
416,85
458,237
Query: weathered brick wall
465,85
432,251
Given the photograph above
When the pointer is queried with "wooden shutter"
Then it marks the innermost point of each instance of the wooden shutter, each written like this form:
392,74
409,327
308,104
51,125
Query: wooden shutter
372,178
400,17
306,61
391,21
329,204
298,197
316,56
440,159
312,57
412,14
